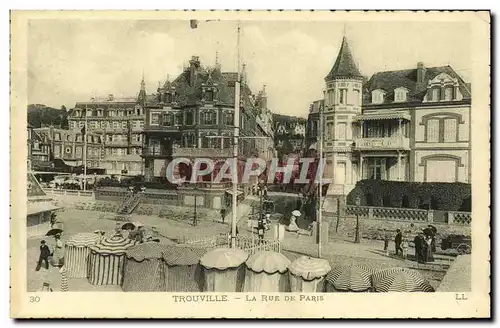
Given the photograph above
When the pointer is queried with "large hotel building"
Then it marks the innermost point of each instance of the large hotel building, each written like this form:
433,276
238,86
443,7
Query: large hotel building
404,125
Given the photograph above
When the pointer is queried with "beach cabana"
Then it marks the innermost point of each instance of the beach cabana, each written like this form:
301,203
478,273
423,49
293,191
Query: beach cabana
107,259
307,274
144,268
77,254
266,272
224,270
183,272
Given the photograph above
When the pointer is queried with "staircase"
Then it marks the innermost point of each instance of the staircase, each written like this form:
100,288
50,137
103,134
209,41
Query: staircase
130,203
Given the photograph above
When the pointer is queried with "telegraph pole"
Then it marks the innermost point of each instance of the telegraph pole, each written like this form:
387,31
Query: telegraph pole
320,185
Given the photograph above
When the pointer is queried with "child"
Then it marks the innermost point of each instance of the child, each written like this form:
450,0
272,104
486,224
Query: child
404,246
386,242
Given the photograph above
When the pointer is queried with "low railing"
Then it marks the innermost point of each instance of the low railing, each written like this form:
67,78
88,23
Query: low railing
382,143
69,192
406,214
249,245
459,218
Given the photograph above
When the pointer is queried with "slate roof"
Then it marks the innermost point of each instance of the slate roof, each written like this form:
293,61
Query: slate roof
344,66
391,80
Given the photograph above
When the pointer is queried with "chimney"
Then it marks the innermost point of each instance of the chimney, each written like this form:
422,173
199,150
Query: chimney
420,75
194,63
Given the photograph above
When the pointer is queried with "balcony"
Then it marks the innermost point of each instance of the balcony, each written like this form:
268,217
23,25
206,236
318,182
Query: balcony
117,143
396,143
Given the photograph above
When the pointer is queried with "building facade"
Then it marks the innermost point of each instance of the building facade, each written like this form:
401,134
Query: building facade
53,143
193,116
118,123
405,125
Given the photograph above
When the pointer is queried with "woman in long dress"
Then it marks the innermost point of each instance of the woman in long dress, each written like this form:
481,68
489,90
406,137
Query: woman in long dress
293,227
58,254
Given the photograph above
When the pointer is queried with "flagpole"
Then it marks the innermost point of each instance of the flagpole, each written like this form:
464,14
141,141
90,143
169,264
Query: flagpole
235,143
320,179
85,152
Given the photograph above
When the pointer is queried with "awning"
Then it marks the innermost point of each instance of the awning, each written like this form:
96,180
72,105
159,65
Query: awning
383,116
40,207
229,191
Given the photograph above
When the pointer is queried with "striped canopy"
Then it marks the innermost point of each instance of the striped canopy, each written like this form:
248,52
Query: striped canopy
146,251
182,255
402,280
115,245
223,258
309,268
83,239
268,262
351,277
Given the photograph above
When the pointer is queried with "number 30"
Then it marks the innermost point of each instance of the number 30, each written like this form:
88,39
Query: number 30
34,299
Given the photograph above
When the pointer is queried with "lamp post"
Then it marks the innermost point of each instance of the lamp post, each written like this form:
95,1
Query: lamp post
357,238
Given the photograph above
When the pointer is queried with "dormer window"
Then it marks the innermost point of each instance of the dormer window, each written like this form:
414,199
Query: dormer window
400,94
378,96
448,94
209,95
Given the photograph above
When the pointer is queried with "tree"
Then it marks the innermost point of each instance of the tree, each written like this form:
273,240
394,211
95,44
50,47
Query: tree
41,115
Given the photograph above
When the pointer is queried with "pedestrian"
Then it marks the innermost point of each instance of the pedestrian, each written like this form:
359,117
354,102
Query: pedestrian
386,241
428,250
44,256
223,215
53,219
404,247
58,254
419,247
397,241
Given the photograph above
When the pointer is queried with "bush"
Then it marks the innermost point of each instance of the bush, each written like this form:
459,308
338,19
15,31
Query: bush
434,195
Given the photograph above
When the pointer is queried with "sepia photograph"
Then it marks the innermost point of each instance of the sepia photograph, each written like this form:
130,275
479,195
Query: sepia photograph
205,159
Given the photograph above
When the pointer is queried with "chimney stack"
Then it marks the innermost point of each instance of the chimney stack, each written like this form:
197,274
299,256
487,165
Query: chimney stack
420,75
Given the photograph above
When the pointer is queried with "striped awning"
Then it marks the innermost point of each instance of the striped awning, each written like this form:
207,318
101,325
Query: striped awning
383,116
223,258
83,239
40,207
115,245
402,280
352,278
309,268
268,262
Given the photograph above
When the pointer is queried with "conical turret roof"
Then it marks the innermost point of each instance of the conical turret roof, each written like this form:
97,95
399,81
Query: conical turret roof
344,66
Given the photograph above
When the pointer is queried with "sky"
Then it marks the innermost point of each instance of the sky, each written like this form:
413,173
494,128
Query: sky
73,60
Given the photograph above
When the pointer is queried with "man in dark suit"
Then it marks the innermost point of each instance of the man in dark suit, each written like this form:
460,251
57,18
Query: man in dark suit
419,247
397,241
44,256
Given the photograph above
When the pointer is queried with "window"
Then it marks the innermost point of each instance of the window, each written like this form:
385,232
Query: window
168,98
78,151
448,94
433,130
450,130
111,113
209,118
341,131
400,95
168,120
109,137
209,95
189,118
376,169
178,119
330,97
435,94
116,125
329,131
355,98
342,96
57,136
377,96
124,124
57,150
229,118
155,118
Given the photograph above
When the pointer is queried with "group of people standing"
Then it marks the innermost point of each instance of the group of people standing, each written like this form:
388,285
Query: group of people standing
425,243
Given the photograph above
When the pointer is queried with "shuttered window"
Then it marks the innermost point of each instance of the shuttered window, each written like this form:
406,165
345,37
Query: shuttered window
433,131
450,130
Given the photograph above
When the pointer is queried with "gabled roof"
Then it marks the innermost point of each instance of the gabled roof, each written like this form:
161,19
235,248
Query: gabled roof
391,80
344,66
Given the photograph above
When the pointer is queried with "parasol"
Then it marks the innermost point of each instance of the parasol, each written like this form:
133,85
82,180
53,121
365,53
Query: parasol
268,262
113,245
350,277
296,213
402,280
54,231
223,258
132,225
309,268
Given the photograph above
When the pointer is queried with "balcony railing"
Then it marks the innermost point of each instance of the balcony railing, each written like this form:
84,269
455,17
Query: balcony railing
382,143
119,143
202,152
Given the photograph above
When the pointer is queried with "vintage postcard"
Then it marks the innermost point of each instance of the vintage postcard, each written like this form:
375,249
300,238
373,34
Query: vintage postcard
266,164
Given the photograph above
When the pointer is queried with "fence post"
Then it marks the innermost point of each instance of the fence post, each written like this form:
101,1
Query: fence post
370,213
430,216
450,217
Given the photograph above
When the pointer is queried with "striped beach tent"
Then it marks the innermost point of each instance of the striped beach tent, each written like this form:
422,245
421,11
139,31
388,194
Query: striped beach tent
223,270
144,269
307,274
402,280
266,271
64,279
77,253
183,272
107,259
349,278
